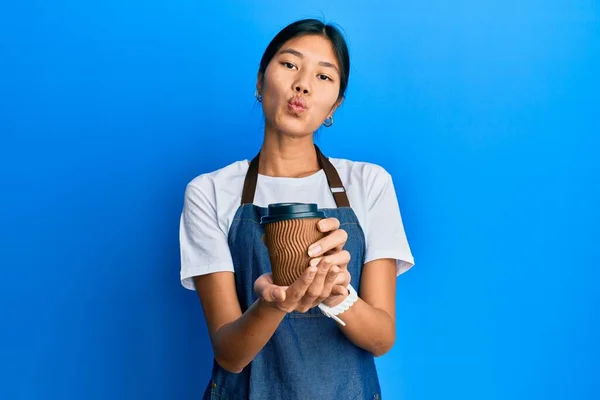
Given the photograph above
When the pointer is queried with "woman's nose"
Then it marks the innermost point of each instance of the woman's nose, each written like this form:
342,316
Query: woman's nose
301,89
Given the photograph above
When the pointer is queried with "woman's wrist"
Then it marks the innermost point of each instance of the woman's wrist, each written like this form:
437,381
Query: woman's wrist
336,299
334,310
269,308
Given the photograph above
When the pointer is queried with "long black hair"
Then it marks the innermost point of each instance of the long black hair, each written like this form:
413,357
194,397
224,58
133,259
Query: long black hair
312,27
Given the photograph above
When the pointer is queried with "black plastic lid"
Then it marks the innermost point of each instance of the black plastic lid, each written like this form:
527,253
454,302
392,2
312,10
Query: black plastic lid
284,211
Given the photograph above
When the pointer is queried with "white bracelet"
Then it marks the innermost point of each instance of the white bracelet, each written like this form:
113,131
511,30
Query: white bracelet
332,312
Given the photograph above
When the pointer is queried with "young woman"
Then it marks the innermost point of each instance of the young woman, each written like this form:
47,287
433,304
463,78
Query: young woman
317,338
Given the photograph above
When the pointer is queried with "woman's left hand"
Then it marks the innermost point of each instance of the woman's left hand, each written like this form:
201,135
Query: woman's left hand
328,253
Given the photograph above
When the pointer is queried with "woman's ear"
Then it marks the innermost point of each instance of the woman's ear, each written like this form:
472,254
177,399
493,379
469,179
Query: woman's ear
259,82
335,107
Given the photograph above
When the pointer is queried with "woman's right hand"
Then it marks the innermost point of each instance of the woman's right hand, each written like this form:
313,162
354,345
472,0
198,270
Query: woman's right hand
299,296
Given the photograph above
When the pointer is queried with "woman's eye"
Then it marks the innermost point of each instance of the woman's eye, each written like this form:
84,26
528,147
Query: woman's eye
324,77
288,65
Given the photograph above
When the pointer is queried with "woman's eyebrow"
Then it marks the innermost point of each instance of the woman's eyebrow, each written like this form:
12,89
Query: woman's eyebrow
293,52
329,65
300,55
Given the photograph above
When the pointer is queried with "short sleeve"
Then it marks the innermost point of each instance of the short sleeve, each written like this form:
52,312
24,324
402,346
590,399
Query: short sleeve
385,236
203,244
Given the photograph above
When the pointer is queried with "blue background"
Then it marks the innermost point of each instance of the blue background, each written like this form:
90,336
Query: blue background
485,112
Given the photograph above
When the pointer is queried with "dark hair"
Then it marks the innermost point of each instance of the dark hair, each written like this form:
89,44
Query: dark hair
312,27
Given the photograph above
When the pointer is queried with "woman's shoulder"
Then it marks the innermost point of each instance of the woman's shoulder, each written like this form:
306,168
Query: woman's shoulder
352,170
220,187
231,172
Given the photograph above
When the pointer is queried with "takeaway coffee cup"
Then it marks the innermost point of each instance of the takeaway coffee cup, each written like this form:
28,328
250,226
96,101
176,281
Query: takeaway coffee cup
290,229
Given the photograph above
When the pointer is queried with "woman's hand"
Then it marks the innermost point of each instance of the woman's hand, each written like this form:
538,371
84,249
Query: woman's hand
332,261
285,298
325,280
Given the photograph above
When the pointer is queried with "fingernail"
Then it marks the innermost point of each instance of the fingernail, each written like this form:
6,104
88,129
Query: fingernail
314,250
314,262
322,224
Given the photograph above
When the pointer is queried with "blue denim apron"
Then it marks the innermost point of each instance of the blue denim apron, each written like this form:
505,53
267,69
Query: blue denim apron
308,357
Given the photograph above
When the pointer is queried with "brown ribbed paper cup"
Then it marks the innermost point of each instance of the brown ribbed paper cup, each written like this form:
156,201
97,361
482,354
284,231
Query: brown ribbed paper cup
290,229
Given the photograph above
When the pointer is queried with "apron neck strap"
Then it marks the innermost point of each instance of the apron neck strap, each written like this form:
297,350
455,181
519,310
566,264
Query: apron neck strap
333,179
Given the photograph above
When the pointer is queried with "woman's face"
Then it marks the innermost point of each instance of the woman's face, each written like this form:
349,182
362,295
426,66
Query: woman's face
301,85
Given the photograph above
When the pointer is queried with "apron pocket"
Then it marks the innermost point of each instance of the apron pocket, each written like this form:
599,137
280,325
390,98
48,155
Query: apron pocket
219,392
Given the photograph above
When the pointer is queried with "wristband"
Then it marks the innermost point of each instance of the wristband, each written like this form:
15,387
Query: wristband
332,312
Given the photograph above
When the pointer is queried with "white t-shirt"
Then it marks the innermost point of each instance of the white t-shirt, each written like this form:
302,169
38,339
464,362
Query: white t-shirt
212,199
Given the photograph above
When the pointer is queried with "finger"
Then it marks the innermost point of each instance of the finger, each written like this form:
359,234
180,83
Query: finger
329,282
338,290
316,287
336,249
341,245
343,278
262,282
320,289
341,259
329,264
296,290
328,224
273,293
279,294
322,266
339,286
335,239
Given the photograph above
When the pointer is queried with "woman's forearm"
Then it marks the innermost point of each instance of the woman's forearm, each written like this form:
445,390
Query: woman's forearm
369,328
237,343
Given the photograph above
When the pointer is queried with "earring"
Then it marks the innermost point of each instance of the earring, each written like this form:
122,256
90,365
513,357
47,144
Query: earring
328,122
258,96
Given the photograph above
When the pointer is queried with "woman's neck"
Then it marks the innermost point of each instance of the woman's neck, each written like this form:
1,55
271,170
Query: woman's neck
287,156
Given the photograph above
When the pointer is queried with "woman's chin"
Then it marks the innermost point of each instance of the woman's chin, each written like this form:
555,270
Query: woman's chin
293,128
